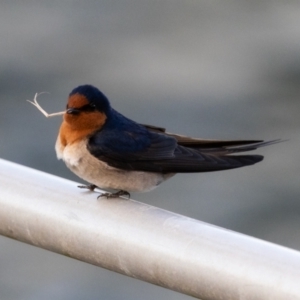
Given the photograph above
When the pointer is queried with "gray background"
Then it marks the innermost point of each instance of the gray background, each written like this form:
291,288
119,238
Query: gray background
211,69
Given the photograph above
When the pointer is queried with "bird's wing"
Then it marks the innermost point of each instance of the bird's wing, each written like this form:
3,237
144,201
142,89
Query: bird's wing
145,148
216,147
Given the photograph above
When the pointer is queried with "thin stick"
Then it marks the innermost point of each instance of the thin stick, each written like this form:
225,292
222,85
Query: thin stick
35,103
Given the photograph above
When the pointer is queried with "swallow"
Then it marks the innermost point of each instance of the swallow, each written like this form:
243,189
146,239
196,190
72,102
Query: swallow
110,151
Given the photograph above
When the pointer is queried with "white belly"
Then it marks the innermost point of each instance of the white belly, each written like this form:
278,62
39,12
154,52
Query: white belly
86,166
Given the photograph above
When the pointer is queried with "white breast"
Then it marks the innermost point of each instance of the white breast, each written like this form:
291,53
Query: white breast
79,160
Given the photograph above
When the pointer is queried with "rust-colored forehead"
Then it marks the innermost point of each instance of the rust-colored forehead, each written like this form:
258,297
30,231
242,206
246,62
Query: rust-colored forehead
77,101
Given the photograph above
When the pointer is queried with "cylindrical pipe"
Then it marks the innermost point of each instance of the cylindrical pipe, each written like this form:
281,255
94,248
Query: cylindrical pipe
143,241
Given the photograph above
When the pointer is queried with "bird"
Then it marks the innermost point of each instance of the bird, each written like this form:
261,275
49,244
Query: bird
112,152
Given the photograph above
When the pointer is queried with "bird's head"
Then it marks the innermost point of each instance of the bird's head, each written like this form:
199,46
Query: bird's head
87,108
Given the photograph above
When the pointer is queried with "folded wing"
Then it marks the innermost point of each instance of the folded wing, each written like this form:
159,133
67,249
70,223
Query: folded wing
152,149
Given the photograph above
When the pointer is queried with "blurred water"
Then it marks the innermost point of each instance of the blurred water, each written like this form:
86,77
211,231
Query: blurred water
210,69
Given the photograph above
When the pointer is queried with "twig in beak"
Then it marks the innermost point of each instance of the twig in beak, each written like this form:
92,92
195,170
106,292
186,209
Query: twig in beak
35,103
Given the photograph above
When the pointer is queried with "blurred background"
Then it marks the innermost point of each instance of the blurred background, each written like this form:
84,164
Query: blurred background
211,69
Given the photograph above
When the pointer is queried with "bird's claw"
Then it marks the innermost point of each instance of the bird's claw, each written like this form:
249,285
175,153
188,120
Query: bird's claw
114,195
90,187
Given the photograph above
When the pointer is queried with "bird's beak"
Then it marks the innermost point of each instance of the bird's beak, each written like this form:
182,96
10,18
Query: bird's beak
73,111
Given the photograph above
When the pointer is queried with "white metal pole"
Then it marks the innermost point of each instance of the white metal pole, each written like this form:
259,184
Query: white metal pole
143,241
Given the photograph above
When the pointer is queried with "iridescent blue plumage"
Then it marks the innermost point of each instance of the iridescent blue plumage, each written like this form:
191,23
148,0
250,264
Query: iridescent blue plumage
93,95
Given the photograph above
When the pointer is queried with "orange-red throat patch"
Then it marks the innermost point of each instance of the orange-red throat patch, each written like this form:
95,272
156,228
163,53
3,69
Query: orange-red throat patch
76,127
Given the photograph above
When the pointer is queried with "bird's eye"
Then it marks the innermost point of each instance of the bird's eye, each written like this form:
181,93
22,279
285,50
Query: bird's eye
89,107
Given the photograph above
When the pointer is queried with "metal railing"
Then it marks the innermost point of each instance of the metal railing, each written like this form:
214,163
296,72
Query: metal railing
143,241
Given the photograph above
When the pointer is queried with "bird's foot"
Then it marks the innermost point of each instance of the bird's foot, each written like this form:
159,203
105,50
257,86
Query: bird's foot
115,195
90,187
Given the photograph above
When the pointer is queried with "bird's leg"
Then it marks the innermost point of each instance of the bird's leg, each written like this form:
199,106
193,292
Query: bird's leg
115,195
90,187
